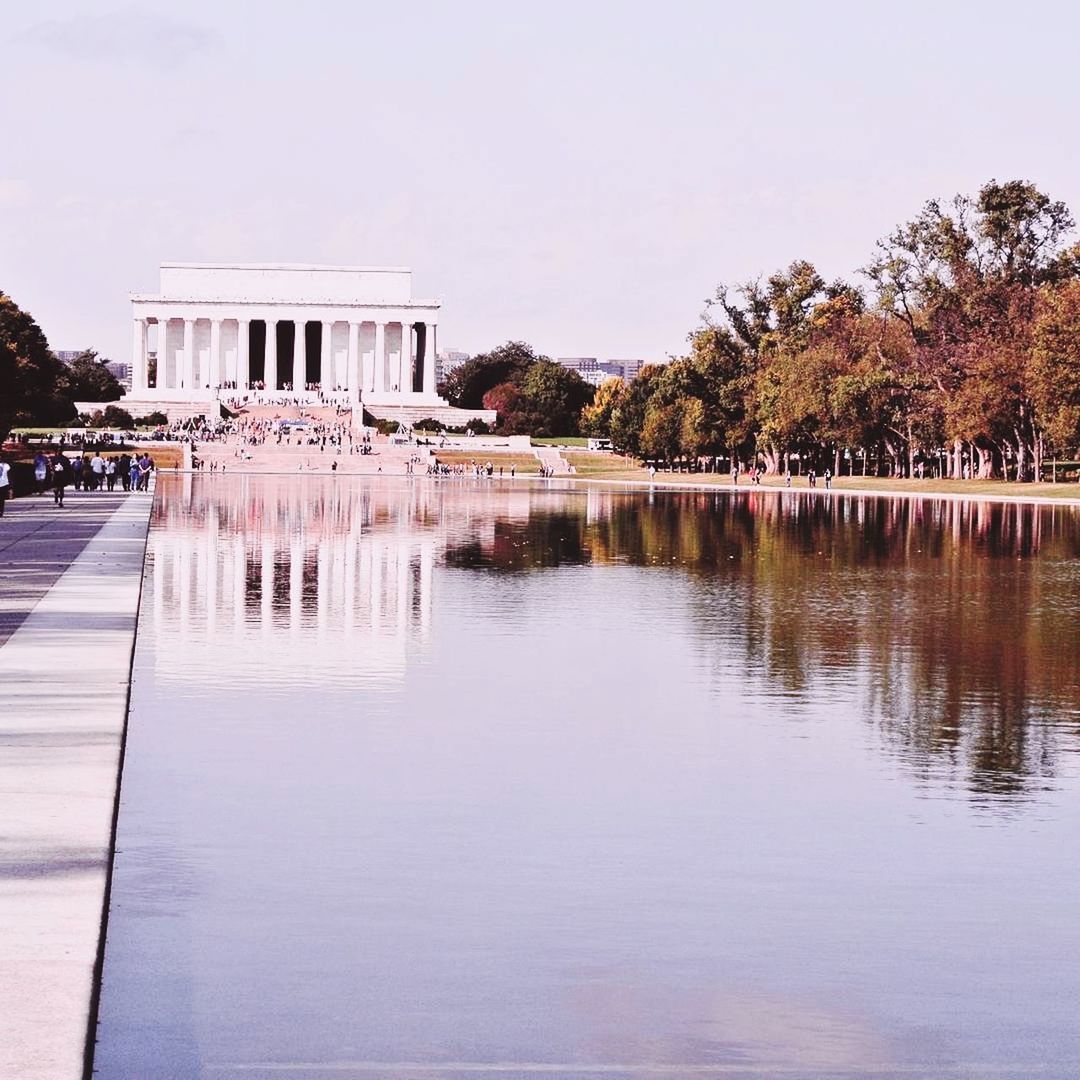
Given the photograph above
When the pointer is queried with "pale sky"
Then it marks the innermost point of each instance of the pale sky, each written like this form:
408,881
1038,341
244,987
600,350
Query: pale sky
576,175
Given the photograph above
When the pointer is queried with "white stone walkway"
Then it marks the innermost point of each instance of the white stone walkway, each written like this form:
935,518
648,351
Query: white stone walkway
64,677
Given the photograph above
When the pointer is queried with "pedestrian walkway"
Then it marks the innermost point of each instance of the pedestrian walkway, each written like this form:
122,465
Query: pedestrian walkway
38,542
69,588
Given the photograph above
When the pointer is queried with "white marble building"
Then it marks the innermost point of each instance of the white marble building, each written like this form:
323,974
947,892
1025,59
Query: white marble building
227,331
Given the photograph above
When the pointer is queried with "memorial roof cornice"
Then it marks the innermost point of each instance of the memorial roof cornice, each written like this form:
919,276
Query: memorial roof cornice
304,267
156,298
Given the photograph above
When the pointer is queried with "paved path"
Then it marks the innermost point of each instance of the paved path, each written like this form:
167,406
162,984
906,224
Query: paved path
64,676
38,542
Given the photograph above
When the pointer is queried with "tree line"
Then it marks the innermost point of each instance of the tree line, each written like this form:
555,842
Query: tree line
961,351
36,387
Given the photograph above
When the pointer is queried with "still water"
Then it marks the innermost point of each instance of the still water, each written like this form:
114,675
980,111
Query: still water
450,779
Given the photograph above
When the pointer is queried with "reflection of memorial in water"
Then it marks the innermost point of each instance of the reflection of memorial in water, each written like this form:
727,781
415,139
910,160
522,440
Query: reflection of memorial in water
246,565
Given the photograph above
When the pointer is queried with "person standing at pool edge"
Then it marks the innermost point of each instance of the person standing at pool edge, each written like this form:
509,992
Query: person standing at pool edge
59,477
5,484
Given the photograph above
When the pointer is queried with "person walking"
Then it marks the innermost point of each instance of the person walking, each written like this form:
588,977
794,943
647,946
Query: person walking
145,467
97,471
110,473
828,479
59,477
5,484
41,472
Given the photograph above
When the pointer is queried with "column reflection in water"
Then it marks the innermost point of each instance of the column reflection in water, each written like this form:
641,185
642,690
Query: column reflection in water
330,572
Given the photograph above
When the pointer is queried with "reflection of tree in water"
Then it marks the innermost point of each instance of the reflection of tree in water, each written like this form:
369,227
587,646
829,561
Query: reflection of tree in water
956,617
541,540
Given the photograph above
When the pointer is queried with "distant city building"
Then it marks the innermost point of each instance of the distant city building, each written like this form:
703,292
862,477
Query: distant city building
578,363
596,371
446,361
630,368
119,369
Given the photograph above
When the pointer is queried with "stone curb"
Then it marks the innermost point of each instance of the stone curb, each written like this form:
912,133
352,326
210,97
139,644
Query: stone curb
64,684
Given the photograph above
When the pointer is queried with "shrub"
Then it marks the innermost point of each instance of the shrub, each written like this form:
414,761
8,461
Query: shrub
114,416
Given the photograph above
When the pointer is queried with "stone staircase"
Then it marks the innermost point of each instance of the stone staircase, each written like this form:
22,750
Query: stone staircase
445,414
271,457
550,457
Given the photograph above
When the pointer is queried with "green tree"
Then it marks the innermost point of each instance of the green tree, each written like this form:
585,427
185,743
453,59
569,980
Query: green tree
468,383
30,374
88,379
555,396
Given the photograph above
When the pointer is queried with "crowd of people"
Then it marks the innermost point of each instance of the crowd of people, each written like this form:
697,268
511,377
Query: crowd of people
84,472
474,468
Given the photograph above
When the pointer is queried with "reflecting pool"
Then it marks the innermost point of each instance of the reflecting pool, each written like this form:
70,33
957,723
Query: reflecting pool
445,779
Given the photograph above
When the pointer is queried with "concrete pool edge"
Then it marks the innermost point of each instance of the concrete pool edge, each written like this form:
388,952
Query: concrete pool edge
65,678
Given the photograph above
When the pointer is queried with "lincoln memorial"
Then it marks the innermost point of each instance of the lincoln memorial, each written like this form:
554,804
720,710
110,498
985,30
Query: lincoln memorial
279,332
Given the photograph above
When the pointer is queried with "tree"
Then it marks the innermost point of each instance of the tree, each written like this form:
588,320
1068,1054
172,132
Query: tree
628,413
770,324
88,379
29,372
555,396
963,278
661,434
511,408
596,417
468,383
1053,373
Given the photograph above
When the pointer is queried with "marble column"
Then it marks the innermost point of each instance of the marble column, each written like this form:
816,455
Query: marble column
299,355
327,368
405,378
352,374
138,356
243,354
270,352
189,354
429,360
215,354
380,358
161,379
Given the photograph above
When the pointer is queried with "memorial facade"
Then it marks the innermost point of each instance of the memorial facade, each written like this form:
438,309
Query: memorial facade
277,331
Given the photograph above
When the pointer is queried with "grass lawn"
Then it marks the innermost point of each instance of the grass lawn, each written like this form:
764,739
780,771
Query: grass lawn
165,457
598,463
564,440
972,489
523,463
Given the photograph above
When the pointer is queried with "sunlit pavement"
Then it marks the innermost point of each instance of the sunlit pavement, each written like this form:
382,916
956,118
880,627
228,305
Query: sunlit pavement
69,592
